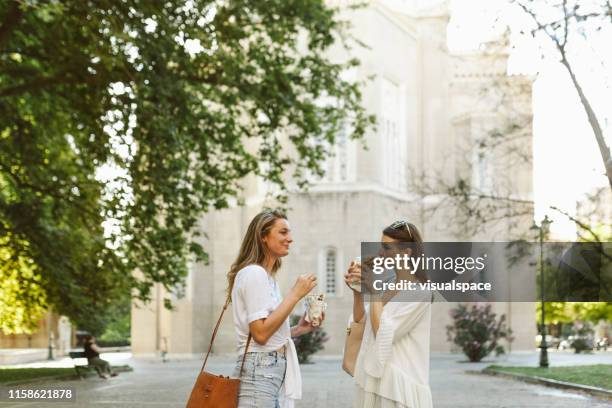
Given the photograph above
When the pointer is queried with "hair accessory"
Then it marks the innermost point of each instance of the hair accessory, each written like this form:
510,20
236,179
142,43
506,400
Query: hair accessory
399,224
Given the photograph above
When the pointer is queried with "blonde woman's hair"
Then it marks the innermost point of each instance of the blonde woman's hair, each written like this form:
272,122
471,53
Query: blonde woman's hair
253,249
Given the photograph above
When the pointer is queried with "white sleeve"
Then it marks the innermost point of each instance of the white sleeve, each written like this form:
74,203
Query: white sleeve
256,292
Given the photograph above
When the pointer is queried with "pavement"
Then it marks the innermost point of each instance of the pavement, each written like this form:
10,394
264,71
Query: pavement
154,383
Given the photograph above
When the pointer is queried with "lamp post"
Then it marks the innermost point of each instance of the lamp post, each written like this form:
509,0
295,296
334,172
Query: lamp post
543,230
49,323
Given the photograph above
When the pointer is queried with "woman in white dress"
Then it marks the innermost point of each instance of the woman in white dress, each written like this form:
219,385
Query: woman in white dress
392,368
271,375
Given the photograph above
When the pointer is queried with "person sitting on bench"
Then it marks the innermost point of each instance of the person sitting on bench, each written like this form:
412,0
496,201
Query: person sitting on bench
92,353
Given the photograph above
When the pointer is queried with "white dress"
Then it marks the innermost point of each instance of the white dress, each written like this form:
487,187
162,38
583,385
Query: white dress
392,368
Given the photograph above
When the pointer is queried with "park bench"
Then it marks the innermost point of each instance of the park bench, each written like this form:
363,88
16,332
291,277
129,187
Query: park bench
79,368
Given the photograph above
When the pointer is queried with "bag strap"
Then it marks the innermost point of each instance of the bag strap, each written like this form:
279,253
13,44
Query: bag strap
244,355
227,302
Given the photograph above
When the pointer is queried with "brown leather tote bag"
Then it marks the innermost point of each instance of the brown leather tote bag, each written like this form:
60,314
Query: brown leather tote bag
216,391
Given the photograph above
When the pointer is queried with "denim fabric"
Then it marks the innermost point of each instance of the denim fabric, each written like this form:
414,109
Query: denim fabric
261,379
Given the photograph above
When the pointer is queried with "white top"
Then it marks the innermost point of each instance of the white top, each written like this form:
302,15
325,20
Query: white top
392,368
254,296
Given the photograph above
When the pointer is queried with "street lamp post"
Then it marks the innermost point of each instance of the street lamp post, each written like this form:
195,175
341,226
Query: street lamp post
49,323
543,231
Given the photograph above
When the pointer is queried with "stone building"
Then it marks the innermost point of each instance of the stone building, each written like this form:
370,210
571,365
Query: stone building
52,329
428,103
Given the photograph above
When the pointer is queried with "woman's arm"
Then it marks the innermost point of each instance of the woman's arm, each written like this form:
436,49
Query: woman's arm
263,329
303,327
354,275
297,331
358,308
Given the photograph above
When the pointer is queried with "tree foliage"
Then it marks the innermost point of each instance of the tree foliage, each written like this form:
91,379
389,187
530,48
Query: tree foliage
22,298
140,116
568,312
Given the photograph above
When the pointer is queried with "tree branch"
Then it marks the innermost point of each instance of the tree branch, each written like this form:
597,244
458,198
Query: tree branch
50,192
578,222
36,85
566,23
593,121
584,227
592,117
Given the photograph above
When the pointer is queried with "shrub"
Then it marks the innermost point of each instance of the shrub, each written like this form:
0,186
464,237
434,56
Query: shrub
581,344
583,337
477,331
308,344
113,343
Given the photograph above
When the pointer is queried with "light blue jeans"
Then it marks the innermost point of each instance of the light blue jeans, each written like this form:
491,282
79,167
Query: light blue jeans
262,378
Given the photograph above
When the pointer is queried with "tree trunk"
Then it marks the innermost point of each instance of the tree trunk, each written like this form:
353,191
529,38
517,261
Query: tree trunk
601,142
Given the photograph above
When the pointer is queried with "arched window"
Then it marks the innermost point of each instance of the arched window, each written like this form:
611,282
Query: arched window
330,271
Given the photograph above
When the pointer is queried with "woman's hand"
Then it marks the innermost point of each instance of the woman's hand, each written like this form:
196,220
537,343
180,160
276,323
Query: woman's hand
303,327
303,285
353,275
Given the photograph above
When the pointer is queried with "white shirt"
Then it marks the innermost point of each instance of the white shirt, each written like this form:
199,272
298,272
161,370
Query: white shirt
393,366
254,296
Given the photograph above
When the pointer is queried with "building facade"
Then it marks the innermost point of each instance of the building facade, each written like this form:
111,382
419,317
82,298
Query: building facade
430,108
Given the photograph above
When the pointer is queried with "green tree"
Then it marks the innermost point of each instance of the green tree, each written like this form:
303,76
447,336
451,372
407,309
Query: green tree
592,311
117,324
178,101
569,312
556,312
22,299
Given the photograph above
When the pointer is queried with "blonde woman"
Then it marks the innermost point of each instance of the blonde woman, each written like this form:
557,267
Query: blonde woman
392,368
271,376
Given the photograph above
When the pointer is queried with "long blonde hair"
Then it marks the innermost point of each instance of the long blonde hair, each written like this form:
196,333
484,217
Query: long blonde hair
253,249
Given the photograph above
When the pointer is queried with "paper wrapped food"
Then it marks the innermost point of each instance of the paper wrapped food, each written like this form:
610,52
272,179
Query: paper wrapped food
315,306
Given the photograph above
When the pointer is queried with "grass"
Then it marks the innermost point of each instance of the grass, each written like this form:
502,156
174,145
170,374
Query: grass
599,375
21,374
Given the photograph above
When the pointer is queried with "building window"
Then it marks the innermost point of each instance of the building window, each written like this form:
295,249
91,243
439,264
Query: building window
393,136
330,272
336,165
481,175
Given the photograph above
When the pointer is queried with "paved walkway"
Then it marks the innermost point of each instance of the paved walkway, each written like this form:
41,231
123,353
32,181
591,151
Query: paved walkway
157,384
